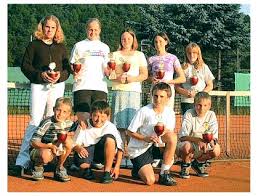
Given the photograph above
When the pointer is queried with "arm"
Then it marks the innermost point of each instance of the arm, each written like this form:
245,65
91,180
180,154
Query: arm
182,91
27,68
209,86
148,139
38,144
181,76
65,73
82,152
115,172
143,75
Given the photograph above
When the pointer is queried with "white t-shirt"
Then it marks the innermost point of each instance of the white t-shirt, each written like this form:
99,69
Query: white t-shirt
143,122
194,126
93,56
204,75
136,61
92,135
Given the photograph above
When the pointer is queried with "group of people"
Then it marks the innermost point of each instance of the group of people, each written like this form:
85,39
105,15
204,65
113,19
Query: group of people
94,134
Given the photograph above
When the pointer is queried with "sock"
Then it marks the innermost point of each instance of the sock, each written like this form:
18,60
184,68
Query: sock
164,167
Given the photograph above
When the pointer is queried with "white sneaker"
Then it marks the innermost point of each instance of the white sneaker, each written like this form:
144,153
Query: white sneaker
156,163
98,165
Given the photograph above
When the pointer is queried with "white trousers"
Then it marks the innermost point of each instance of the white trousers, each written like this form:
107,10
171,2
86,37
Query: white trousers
42,101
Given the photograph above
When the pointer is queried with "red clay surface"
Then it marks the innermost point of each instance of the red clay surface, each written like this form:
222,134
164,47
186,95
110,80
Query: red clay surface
224,177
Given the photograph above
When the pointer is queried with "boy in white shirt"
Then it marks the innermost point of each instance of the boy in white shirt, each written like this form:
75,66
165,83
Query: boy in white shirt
192,145
100,141
141,131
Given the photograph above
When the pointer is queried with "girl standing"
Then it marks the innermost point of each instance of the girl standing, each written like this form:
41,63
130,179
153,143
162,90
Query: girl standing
198,77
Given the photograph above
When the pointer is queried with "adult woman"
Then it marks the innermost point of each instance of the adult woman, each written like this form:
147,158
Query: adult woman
198,77
163,65
45,64
92,55
131,70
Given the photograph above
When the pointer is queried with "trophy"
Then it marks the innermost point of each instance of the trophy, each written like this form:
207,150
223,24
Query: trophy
160,73
76,68
207,136
125,67
112,66
61,137
52,73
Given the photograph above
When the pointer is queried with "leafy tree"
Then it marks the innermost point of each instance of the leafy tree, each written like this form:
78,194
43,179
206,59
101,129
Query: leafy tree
215,27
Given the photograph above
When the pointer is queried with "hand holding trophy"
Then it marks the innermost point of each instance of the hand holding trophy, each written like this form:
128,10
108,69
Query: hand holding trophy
159,129
51,73
61,137
112,66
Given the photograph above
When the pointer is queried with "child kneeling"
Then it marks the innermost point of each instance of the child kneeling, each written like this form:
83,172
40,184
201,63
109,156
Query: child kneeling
100,142
45,141
193,148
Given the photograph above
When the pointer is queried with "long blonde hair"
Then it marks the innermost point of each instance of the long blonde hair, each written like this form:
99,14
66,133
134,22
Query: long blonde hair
59,35
199,61
135,42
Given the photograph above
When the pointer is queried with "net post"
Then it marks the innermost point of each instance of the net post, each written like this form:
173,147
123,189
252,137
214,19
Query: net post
228,123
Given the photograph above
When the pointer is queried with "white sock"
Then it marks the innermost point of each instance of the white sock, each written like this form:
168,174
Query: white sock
164,167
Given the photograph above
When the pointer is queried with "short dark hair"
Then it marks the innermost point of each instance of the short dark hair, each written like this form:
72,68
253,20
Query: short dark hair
162,86
101,106
82,107
201,95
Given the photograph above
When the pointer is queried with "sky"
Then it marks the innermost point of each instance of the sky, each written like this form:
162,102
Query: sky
245,8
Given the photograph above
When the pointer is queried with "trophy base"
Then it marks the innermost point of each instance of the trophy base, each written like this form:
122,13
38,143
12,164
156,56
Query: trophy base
112,76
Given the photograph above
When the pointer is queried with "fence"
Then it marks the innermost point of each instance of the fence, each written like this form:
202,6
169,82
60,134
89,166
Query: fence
233,119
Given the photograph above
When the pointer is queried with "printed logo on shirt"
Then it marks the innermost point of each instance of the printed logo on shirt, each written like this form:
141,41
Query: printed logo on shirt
94,53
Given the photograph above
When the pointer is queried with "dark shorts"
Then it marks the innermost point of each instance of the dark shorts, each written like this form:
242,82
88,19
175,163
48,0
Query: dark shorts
96,152
146,158
88,96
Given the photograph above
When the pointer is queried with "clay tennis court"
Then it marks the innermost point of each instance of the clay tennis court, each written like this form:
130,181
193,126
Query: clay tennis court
229,176
225,175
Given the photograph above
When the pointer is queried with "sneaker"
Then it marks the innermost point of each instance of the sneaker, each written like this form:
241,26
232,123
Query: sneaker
61,175
37,173
156,163
88,174
106,179
98,166
18,170
135,174
185,170
167,179
199,168
207,163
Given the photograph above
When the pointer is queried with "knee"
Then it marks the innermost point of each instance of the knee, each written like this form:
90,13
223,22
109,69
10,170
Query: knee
170,138
150,180
186,148
216,151
46,156
109,139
